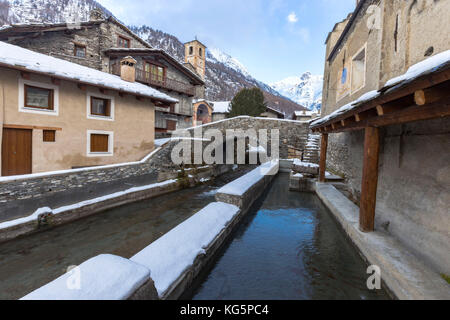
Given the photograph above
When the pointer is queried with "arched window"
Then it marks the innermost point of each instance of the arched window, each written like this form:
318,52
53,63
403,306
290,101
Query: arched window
200,52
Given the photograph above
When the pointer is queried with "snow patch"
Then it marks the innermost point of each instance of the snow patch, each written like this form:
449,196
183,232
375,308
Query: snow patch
104,277
169,256
239,186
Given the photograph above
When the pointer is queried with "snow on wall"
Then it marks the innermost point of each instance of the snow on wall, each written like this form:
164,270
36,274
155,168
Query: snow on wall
71,171
47,210
239,186
169,256
104,277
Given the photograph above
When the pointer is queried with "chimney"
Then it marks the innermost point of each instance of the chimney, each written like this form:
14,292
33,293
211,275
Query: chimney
128,69
96,14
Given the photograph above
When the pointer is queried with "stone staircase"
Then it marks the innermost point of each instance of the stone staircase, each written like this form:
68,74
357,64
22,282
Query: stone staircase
312,149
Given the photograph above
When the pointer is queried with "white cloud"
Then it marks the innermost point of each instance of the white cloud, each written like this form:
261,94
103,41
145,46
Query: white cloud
292,17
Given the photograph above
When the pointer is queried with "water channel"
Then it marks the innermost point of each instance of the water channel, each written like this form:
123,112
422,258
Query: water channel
288,247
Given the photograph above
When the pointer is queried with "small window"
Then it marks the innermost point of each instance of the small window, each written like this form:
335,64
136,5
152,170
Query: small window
200,52
100,107
191,50
39,98
99,143
358,77
123,42
80,51
49,135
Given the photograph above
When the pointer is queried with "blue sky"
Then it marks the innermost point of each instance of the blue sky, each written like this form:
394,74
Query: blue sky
274,39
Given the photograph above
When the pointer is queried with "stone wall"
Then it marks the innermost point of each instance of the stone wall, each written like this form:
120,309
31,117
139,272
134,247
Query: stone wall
24,196
413,186
293,134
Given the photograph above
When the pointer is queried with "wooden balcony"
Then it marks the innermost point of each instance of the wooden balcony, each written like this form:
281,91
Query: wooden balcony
159,83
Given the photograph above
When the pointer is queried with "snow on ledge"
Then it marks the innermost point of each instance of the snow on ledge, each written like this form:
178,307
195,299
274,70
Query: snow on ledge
169,256
47,210
298,162
104,277
69,171
426,66
239,186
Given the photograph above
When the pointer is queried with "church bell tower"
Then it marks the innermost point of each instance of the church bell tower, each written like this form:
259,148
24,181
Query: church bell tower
195,54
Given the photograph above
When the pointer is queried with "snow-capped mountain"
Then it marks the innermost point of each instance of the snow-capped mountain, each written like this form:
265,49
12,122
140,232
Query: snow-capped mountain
215,55
50,11
305,90
225,75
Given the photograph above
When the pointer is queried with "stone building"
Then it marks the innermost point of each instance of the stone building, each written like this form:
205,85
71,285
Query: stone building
203,112
58,115
101,43
305,115
272,113
381,40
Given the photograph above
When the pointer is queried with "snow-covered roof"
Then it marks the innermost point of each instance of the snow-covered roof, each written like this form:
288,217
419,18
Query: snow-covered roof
221,106
149,51
27,60
427,66
275,110
302,113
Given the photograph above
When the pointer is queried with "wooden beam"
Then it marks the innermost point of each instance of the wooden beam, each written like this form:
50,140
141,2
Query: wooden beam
82,87
56,81
21,126
25,75
323,157
103,91
433,94
369,180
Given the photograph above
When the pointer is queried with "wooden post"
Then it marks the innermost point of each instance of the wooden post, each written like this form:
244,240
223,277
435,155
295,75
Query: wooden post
369,180
323,157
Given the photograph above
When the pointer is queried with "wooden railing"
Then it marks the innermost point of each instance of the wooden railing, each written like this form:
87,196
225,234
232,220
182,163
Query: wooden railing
158,82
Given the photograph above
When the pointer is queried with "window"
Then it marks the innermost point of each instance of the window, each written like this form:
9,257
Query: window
49,135
191,50
154,72
79,51
358,77
100,107
123,42
200,52
100,143
40,98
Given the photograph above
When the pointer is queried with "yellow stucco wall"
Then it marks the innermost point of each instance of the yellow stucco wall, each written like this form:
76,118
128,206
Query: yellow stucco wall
132,127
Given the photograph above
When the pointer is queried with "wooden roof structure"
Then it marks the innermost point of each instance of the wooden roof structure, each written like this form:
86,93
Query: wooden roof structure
421,97
159,53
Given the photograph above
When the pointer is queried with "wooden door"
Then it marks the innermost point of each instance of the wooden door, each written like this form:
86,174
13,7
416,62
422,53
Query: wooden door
16,151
